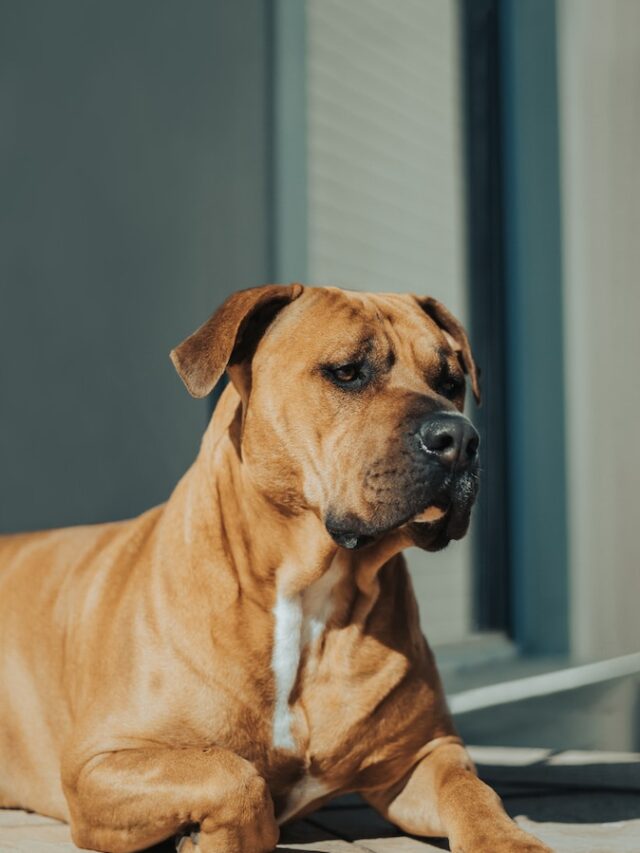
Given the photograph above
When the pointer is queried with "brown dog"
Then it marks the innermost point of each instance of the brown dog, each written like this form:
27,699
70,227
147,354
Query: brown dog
238,656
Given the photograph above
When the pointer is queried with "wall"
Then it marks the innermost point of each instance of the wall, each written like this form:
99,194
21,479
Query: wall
599,52
133,166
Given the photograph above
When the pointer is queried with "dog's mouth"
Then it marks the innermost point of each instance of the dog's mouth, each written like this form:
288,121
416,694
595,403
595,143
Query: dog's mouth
426,528
442,518
433,530
429,515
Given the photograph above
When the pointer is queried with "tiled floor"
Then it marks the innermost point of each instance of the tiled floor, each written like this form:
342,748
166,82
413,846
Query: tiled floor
578,802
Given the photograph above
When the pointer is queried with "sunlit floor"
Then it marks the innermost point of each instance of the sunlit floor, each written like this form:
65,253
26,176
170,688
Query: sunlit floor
578,802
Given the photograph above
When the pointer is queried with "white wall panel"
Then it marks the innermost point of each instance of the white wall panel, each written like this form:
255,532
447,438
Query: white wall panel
599,52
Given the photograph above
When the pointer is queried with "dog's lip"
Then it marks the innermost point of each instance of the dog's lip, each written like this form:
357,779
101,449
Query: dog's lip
349,539
430,515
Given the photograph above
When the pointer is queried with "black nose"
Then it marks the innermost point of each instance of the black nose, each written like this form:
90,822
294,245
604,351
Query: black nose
450,439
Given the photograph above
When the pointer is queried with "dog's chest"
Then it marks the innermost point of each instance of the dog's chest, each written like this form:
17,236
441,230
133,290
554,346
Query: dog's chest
300,621
337,713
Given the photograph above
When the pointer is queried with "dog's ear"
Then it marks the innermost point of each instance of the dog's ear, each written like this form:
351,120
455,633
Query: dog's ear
230,336
456,336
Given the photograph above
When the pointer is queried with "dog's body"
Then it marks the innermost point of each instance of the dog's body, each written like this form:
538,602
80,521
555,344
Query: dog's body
239,655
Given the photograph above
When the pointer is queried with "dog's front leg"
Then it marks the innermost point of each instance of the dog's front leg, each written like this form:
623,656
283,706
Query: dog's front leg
442,796
129,799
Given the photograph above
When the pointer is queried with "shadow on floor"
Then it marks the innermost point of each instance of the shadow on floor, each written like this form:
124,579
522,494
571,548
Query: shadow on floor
581,793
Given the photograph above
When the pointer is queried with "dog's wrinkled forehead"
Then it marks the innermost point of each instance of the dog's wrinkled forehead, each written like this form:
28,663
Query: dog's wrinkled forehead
338,326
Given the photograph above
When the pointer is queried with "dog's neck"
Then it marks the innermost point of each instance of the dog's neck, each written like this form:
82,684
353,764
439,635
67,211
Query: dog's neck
257,537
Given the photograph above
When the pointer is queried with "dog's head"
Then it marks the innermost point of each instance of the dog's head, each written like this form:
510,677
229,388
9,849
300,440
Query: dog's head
350,407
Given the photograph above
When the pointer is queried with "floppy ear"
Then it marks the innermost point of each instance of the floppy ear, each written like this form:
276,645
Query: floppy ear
457,337
230,335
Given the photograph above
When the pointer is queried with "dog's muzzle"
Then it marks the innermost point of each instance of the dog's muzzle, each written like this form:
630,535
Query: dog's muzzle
437,471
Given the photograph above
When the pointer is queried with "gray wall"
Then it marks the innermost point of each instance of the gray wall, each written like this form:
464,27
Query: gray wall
134,193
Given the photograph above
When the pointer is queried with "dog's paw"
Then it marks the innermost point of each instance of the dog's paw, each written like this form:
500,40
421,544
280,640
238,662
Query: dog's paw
250,825
228,840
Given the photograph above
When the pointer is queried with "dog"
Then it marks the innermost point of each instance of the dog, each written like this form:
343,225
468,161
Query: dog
236,657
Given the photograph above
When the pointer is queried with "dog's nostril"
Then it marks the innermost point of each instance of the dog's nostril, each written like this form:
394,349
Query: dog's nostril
472,447
440,442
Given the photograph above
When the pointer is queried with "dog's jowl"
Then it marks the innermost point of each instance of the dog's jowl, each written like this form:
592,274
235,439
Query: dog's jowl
236,657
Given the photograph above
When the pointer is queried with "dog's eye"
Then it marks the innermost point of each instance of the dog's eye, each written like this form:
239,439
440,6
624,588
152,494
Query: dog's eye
351,376
347,373
450,387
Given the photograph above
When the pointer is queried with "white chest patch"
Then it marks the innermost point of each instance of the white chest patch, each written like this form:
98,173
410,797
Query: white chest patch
300,620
